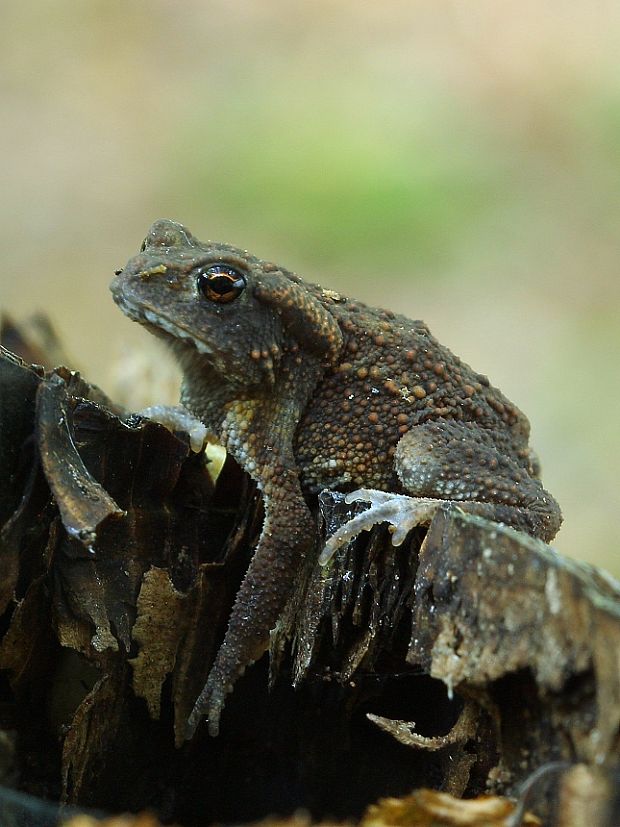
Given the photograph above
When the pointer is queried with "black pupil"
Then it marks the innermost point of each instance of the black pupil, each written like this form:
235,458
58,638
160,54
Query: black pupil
221,281
221,284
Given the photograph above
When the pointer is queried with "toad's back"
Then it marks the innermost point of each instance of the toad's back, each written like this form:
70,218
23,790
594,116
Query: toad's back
393,375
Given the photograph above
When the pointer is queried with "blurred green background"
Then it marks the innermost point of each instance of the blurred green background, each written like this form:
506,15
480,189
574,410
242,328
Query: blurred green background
458,162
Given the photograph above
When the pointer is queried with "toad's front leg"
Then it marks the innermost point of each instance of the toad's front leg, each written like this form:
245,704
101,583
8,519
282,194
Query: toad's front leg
287,534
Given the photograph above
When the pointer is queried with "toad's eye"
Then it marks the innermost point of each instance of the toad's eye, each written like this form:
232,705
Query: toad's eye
221,283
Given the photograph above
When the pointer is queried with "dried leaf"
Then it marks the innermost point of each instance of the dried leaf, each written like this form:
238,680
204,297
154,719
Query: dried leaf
428,808
140,820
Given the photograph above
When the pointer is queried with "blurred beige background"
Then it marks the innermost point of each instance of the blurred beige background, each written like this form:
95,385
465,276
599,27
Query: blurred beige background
456,161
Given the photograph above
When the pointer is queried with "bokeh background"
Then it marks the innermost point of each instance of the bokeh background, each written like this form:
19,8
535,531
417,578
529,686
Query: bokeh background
456,161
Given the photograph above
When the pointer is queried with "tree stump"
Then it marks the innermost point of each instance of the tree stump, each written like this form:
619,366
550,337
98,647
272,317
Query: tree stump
464,661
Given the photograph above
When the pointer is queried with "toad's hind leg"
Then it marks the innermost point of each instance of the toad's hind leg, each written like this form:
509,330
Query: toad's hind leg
261,598
446,461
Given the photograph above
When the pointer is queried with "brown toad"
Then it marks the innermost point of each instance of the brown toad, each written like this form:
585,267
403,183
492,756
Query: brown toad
310,390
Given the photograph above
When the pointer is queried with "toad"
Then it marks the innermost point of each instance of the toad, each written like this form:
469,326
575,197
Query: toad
311,390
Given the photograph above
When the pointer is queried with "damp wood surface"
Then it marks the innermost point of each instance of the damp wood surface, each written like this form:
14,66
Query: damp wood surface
463,661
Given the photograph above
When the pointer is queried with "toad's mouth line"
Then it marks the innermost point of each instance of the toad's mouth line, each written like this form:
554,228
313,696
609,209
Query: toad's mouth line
176,332
159,324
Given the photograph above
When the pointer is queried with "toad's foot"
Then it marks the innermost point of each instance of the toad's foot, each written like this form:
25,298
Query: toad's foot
177,418
211,701
209,705
402,512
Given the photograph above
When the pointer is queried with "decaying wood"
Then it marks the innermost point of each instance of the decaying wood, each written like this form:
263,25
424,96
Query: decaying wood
464,660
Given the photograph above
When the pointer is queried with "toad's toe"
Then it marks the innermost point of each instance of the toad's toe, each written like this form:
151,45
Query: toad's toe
403,513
